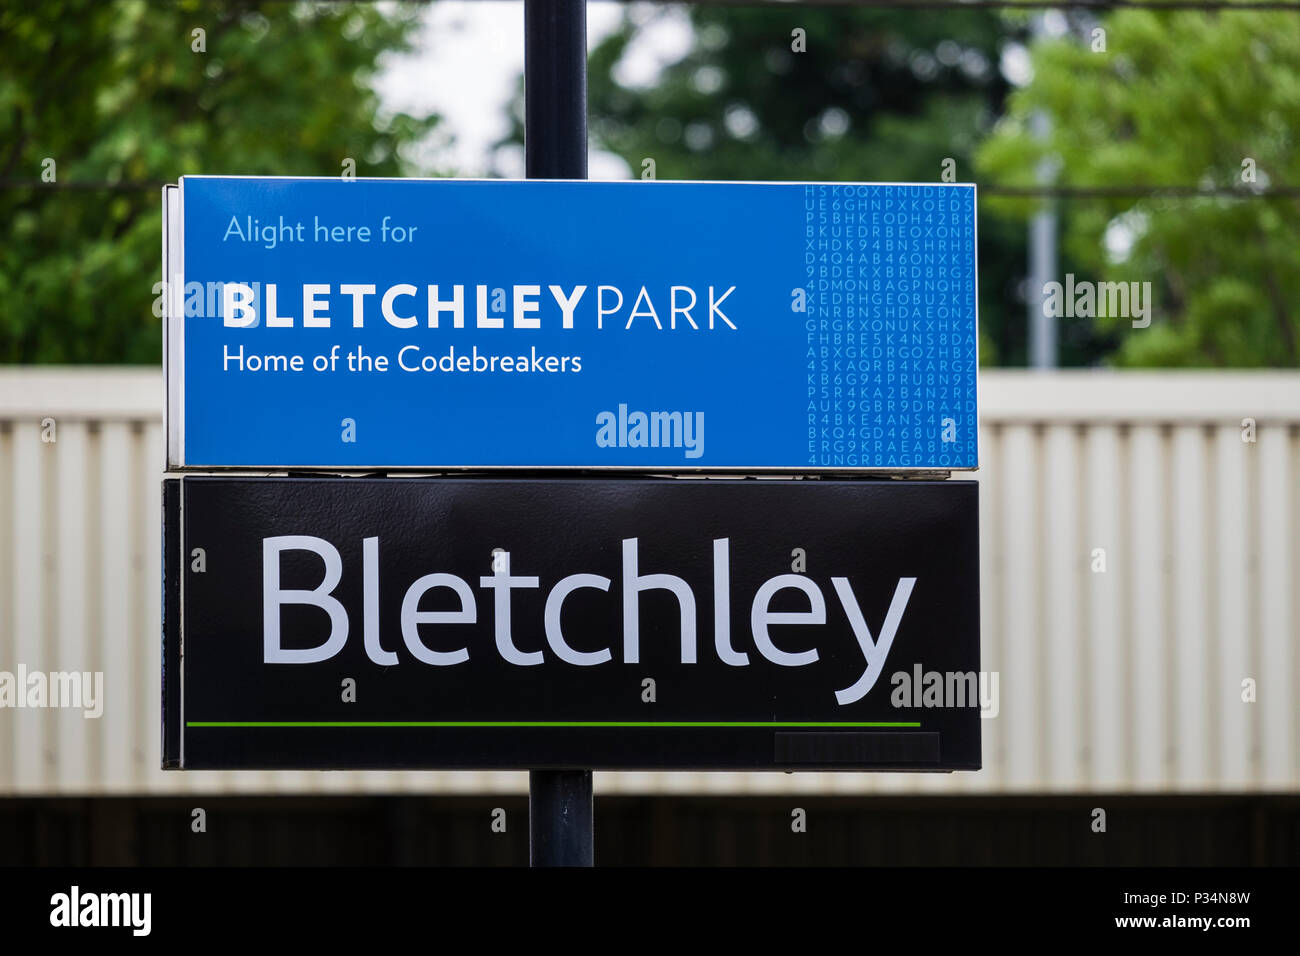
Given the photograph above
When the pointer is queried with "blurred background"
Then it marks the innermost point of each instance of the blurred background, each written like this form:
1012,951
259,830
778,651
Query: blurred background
1140,483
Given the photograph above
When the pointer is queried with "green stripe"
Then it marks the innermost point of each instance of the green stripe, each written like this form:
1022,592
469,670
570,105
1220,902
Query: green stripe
548,723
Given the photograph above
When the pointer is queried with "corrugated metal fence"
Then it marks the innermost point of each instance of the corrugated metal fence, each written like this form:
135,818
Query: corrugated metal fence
1140,564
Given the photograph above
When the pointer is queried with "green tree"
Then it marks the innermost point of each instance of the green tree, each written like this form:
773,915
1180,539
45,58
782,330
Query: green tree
874,95
127,92
1176,98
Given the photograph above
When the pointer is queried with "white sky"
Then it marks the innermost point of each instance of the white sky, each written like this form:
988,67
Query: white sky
468,59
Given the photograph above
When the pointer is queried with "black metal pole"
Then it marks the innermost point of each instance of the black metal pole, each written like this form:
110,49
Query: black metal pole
555,89
559,818
555,147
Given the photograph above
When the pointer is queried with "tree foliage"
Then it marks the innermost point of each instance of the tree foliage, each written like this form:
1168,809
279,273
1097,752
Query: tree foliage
126,92
873,95
1177,98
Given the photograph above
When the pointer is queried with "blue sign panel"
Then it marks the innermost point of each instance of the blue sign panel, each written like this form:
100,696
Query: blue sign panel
776,327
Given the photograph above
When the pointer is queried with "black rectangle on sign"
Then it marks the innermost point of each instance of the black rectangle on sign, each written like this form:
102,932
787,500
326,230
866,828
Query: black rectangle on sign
917,749
336,623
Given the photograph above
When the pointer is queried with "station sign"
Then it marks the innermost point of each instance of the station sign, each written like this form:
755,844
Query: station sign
612,623
636,326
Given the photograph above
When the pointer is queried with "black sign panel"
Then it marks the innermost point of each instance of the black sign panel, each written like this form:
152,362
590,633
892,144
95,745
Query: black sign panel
685,623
